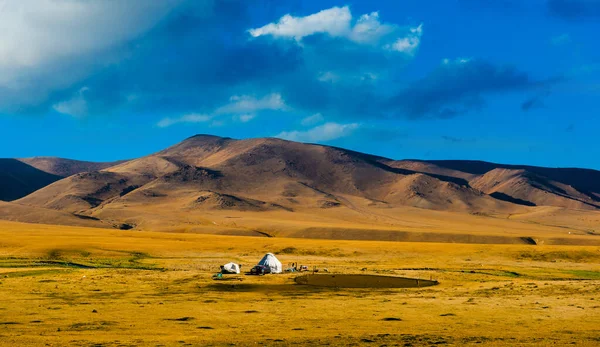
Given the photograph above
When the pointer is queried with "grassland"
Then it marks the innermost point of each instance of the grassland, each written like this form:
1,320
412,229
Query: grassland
99,287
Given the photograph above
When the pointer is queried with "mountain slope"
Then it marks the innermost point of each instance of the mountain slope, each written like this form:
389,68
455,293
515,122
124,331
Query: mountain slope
18,179
521,186
585,181
22,213
279,172
66,167
207,182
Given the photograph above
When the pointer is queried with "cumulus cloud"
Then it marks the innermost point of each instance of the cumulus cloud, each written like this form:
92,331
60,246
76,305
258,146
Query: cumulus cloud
152,61
408,44
334,21
457,87
322,133
312,120
188,118
34,32
241,108
49,44
249,104
368,29
337,22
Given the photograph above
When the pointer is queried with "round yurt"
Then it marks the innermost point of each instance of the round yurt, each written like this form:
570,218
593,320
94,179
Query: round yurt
271,261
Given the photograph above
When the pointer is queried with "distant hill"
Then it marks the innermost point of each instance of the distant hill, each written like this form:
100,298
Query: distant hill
248,186
521,184
66,167
20,177
271,171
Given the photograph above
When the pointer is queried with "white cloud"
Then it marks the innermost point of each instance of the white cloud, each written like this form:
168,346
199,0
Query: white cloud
328,76
312,120
34,32
326,132
409,43
368,29
334,21
240,108
244,104
188,118
76,106
337,22
46,45
245,118
457,61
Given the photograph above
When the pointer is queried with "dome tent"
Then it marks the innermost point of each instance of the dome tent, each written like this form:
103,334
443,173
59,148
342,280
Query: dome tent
230,268
272,262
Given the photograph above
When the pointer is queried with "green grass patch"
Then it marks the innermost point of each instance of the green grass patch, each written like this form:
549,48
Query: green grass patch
584,274
32,273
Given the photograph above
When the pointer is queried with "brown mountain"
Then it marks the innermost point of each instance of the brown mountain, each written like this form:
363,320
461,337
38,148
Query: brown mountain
240,186
20,177
521,184
273,171
66,167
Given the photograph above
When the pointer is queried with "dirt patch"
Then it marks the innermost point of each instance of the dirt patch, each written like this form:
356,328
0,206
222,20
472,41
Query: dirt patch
362,281
182,319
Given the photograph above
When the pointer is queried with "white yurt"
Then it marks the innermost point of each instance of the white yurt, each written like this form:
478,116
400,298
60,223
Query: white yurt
271,261
230,268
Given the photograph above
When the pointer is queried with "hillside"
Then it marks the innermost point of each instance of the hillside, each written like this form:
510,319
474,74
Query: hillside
18,179
520,184
281,188
21,213
282,173
66,167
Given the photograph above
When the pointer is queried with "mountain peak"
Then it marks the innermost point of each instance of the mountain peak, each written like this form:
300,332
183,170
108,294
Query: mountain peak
206,136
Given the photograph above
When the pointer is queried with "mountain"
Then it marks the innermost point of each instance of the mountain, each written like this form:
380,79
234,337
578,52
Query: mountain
66,167
269,186
20,177
272,171
521,184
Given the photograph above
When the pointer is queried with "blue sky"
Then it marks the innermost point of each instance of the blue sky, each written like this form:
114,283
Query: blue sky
497,80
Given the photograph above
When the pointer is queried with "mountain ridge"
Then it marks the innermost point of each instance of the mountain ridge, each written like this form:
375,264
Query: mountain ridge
207,175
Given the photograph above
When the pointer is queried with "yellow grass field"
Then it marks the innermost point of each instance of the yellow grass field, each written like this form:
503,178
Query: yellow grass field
98,287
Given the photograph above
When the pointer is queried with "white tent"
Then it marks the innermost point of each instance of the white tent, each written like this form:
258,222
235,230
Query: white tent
230,268
272,262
